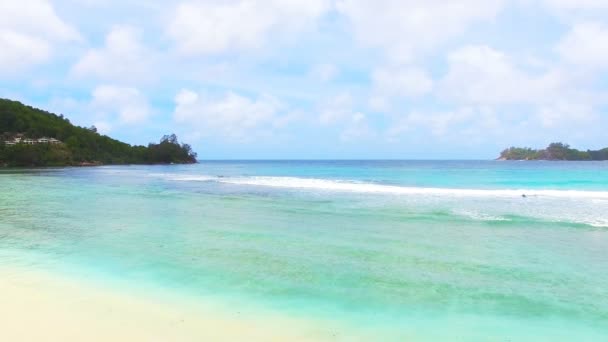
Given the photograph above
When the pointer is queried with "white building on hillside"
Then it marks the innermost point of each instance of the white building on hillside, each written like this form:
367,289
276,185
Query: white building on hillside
18,139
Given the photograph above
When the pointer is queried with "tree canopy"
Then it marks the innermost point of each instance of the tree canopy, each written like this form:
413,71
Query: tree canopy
80,145
555,151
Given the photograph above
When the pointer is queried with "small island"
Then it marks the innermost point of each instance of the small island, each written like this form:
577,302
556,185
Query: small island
33,137
555,151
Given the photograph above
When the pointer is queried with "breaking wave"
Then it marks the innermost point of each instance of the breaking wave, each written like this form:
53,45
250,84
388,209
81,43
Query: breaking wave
375,188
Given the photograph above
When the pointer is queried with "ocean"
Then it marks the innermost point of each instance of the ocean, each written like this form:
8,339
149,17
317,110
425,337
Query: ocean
404,250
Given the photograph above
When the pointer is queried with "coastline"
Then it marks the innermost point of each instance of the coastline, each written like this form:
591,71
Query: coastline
43,306
40,306
88,165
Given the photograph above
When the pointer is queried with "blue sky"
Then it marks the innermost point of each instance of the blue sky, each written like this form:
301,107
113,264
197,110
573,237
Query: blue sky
308,79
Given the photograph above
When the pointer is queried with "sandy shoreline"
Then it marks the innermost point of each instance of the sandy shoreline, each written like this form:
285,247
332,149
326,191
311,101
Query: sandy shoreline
38,306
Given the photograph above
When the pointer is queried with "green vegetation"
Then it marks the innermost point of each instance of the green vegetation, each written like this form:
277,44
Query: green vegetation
81,146
555,151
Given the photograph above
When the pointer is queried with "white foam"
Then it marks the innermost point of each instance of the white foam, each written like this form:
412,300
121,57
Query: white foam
194,178
598,222
373,188
478,216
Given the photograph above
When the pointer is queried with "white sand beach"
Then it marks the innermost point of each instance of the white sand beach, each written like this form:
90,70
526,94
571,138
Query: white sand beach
37,306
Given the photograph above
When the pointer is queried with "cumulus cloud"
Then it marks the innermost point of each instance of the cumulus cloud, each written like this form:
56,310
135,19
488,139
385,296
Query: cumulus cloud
572,113
213,27
19,50
408,28
324,72
586,45
230,115
128,105
339,111
30,30
483,76
479,74
357,129
438,123
402,81
336,109
35,17
122,58
398,82
577,4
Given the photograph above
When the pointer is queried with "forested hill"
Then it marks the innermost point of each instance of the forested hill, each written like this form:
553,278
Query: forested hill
24,129
555,151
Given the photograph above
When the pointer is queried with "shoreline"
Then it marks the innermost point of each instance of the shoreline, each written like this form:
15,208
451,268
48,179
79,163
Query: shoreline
47,306
87,165
41,306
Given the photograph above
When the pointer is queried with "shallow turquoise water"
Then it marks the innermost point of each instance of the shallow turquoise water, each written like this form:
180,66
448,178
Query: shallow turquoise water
422,250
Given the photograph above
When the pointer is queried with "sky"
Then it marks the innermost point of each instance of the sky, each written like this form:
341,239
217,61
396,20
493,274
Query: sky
317,79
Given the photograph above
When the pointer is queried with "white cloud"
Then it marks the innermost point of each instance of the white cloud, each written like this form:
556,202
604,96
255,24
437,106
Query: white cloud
30,30
560,112
122,58
479,74
398,82
128,104
212,27
324,72
19,50
357,129
577,4
35,17
336,109
586,46
404,82
482,76
572,11
230,115
438,123
408,28
339,111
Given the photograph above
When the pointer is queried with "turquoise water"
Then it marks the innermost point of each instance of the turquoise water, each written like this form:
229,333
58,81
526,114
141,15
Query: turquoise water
410,250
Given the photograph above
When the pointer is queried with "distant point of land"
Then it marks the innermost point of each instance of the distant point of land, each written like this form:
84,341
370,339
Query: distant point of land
555,151
33,137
